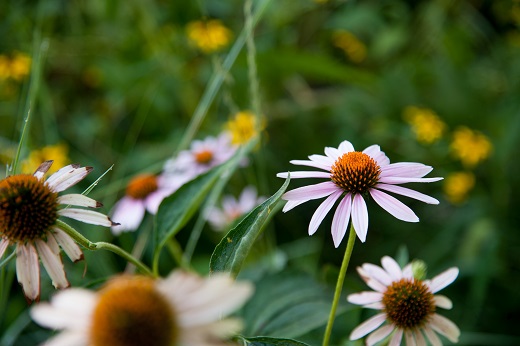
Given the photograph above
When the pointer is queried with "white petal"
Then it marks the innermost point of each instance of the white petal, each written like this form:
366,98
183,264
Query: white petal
405,169
379,334
305,174
403,180
375,306
333,153
408,193
392,268
445,327
28,270
311,191
52,264
52,243
444,279
4,243
363,298
42,169
360,217
292,204
322,211
396,338
419,338
443,302
67,177
379,156
324,164
392,205
68,338
129,213
325,161
345,147
367,326
408,335
88,216
430,334
341,219
407,271
377,273
68,245
79,200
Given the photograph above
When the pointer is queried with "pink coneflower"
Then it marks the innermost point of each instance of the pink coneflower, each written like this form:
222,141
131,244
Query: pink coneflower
233,208
408,305
202,156
182,310
352,175
29,210
143,193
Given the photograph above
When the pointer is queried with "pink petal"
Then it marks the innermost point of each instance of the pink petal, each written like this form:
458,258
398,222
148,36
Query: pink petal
68,245
322,211
442,302
345,147
28,270
405,169
360,217
333,153
410,341
379,156
374,284
396,339
129,213
377,273
408,193
419,338
444,326
4,243
323,162
403,180
380,334
367,326
407,271
311,191
79,200
292,204
392,268
88,216
52,264
67,177
444,279
341,219
363,298
432,337
305,174
393,206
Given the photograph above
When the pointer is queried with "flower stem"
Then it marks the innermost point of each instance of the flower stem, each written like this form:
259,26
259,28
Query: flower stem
80,239
339,284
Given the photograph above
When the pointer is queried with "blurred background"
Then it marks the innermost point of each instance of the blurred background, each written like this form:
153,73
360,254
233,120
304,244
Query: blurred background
436,82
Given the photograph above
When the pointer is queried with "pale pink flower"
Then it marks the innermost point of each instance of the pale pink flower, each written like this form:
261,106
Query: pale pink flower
350,176
232,208
202,156
29,210
408,305
183,309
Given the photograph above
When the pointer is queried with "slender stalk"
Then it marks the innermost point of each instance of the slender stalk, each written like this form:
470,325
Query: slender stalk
176,252
79,238
7,259
339,284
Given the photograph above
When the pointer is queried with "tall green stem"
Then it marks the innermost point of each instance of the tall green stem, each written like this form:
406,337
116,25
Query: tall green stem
339,284
79,238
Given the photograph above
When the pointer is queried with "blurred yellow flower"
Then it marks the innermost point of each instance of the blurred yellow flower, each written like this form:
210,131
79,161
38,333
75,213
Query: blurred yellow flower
457,185
470,147
209,36
16,68
58,153
243,127
425,123
354,49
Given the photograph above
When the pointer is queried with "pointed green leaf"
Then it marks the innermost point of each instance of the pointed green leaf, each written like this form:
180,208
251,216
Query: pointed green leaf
230,253
267,341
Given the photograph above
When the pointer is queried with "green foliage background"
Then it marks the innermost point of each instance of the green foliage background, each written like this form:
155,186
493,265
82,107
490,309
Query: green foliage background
120,82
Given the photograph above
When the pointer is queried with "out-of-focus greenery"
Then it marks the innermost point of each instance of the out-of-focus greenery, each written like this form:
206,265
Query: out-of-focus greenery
120,81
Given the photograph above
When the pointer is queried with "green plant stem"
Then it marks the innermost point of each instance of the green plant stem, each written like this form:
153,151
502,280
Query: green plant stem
7,259
79,238
339,284
176,252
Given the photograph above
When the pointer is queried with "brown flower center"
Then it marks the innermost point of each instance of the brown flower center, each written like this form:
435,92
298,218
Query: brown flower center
130,311
355,172
204,157
408,303
142,186
28,208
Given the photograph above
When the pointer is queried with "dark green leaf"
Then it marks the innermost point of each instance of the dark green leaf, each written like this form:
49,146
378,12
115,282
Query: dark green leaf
267,341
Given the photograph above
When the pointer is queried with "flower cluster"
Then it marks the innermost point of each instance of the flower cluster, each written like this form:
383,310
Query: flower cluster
209,36
425,123
16,67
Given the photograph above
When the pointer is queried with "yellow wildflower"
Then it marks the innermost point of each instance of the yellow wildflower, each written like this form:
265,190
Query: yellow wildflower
243,127
425,123
354,49
209,36
457,185
58,153
470,147
16,68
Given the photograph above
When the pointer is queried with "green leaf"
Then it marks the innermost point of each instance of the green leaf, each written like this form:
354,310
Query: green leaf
177,209
230,253
267,341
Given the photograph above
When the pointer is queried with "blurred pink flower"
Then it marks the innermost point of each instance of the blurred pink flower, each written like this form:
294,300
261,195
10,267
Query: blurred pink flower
407,304
352,175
